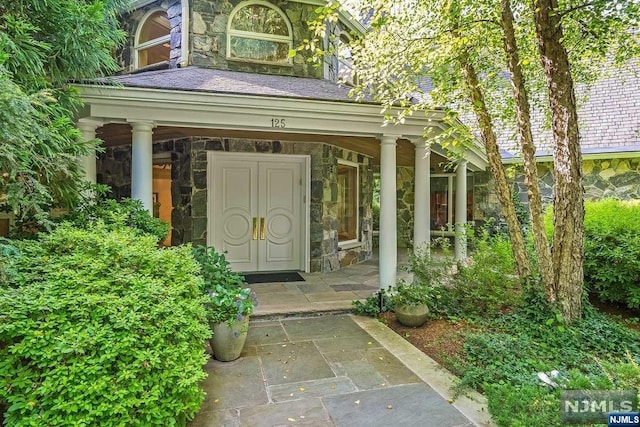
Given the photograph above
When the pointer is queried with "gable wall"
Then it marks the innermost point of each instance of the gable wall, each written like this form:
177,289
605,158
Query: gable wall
130,22
208,38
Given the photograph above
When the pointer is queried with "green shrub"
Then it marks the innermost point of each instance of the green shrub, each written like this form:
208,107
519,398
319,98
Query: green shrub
612,250
101,328
116,213
487,285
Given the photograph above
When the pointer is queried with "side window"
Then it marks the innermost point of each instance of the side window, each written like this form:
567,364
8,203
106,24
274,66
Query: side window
348,223
152,39
346,73
259,32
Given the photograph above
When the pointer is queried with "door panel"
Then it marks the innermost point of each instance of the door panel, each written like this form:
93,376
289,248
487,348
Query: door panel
256,211
279,201
234,210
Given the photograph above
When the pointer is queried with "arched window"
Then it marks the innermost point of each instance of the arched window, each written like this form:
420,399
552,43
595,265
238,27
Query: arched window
259,32
152,39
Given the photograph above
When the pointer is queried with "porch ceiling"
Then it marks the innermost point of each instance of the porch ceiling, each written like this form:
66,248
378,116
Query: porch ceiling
120,134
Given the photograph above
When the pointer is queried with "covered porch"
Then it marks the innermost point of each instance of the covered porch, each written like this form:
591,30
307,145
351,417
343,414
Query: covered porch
324,292
142,113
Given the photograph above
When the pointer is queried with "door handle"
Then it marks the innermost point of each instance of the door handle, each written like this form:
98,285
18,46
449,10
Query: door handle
255,228
262,221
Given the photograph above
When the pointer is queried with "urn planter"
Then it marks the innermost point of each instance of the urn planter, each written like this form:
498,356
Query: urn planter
228,339
412,315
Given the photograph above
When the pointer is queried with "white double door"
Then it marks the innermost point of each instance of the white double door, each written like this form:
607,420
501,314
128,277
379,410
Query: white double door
255,210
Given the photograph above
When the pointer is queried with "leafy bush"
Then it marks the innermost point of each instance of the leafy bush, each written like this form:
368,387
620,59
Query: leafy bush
611,249
372,305
226,298
116,213
487,285
100,327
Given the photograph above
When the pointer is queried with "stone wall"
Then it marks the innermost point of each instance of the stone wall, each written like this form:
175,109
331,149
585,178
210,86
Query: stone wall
405,185
486,206
131,21
615,178
209,38
189,190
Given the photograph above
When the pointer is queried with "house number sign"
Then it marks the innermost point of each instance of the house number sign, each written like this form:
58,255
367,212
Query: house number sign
278,123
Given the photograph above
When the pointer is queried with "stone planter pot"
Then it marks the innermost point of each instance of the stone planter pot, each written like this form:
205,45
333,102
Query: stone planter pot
412,315
228,340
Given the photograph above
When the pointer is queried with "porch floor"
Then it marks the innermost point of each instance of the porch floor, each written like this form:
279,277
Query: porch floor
323,292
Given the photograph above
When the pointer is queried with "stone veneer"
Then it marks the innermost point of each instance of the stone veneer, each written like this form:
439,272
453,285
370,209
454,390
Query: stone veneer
209,38
189,190
616,178
130,24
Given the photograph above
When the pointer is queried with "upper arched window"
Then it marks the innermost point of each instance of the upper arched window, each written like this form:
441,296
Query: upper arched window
152,44
259,32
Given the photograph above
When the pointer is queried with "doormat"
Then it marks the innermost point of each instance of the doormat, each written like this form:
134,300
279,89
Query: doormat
290,276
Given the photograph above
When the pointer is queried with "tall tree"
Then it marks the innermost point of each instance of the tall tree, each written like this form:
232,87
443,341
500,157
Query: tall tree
44,45
465,47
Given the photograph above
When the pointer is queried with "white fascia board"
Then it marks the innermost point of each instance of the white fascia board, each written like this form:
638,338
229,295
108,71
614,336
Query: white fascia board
184,108
252,113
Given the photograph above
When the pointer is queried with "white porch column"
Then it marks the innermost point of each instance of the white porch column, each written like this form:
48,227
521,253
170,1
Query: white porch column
388,261
88,162
461,211
142,163
422,196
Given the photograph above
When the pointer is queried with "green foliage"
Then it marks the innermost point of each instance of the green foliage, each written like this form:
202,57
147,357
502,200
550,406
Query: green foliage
521,211
226,299
413,294
116,214
486,286
101,327
44,45
371,305
503,360
611,249
523,406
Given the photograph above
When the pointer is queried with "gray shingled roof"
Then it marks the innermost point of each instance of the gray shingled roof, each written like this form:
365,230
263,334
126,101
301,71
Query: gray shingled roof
609,117
232,82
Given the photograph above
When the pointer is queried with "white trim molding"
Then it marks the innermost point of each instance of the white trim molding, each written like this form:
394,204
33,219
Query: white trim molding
117,104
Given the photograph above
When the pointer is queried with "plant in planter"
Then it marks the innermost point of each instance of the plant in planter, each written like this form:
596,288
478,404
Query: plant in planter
411,303
229,304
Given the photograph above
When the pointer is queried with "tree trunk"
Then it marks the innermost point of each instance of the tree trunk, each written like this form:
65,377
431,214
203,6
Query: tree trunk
568,204
531,179
497,170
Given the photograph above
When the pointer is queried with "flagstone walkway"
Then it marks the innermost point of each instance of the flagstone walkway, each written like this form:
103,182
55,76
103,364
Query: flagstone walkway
322,292
332,370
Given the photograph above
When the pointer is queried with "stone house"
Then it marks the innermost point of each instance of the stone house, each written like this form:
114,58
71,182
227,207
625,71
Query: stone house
609,114
263,155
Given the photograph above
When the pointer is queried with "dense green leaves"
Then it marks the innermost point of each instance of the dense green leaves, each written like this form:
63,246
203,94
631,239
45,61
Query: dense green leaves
43,46
100,327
